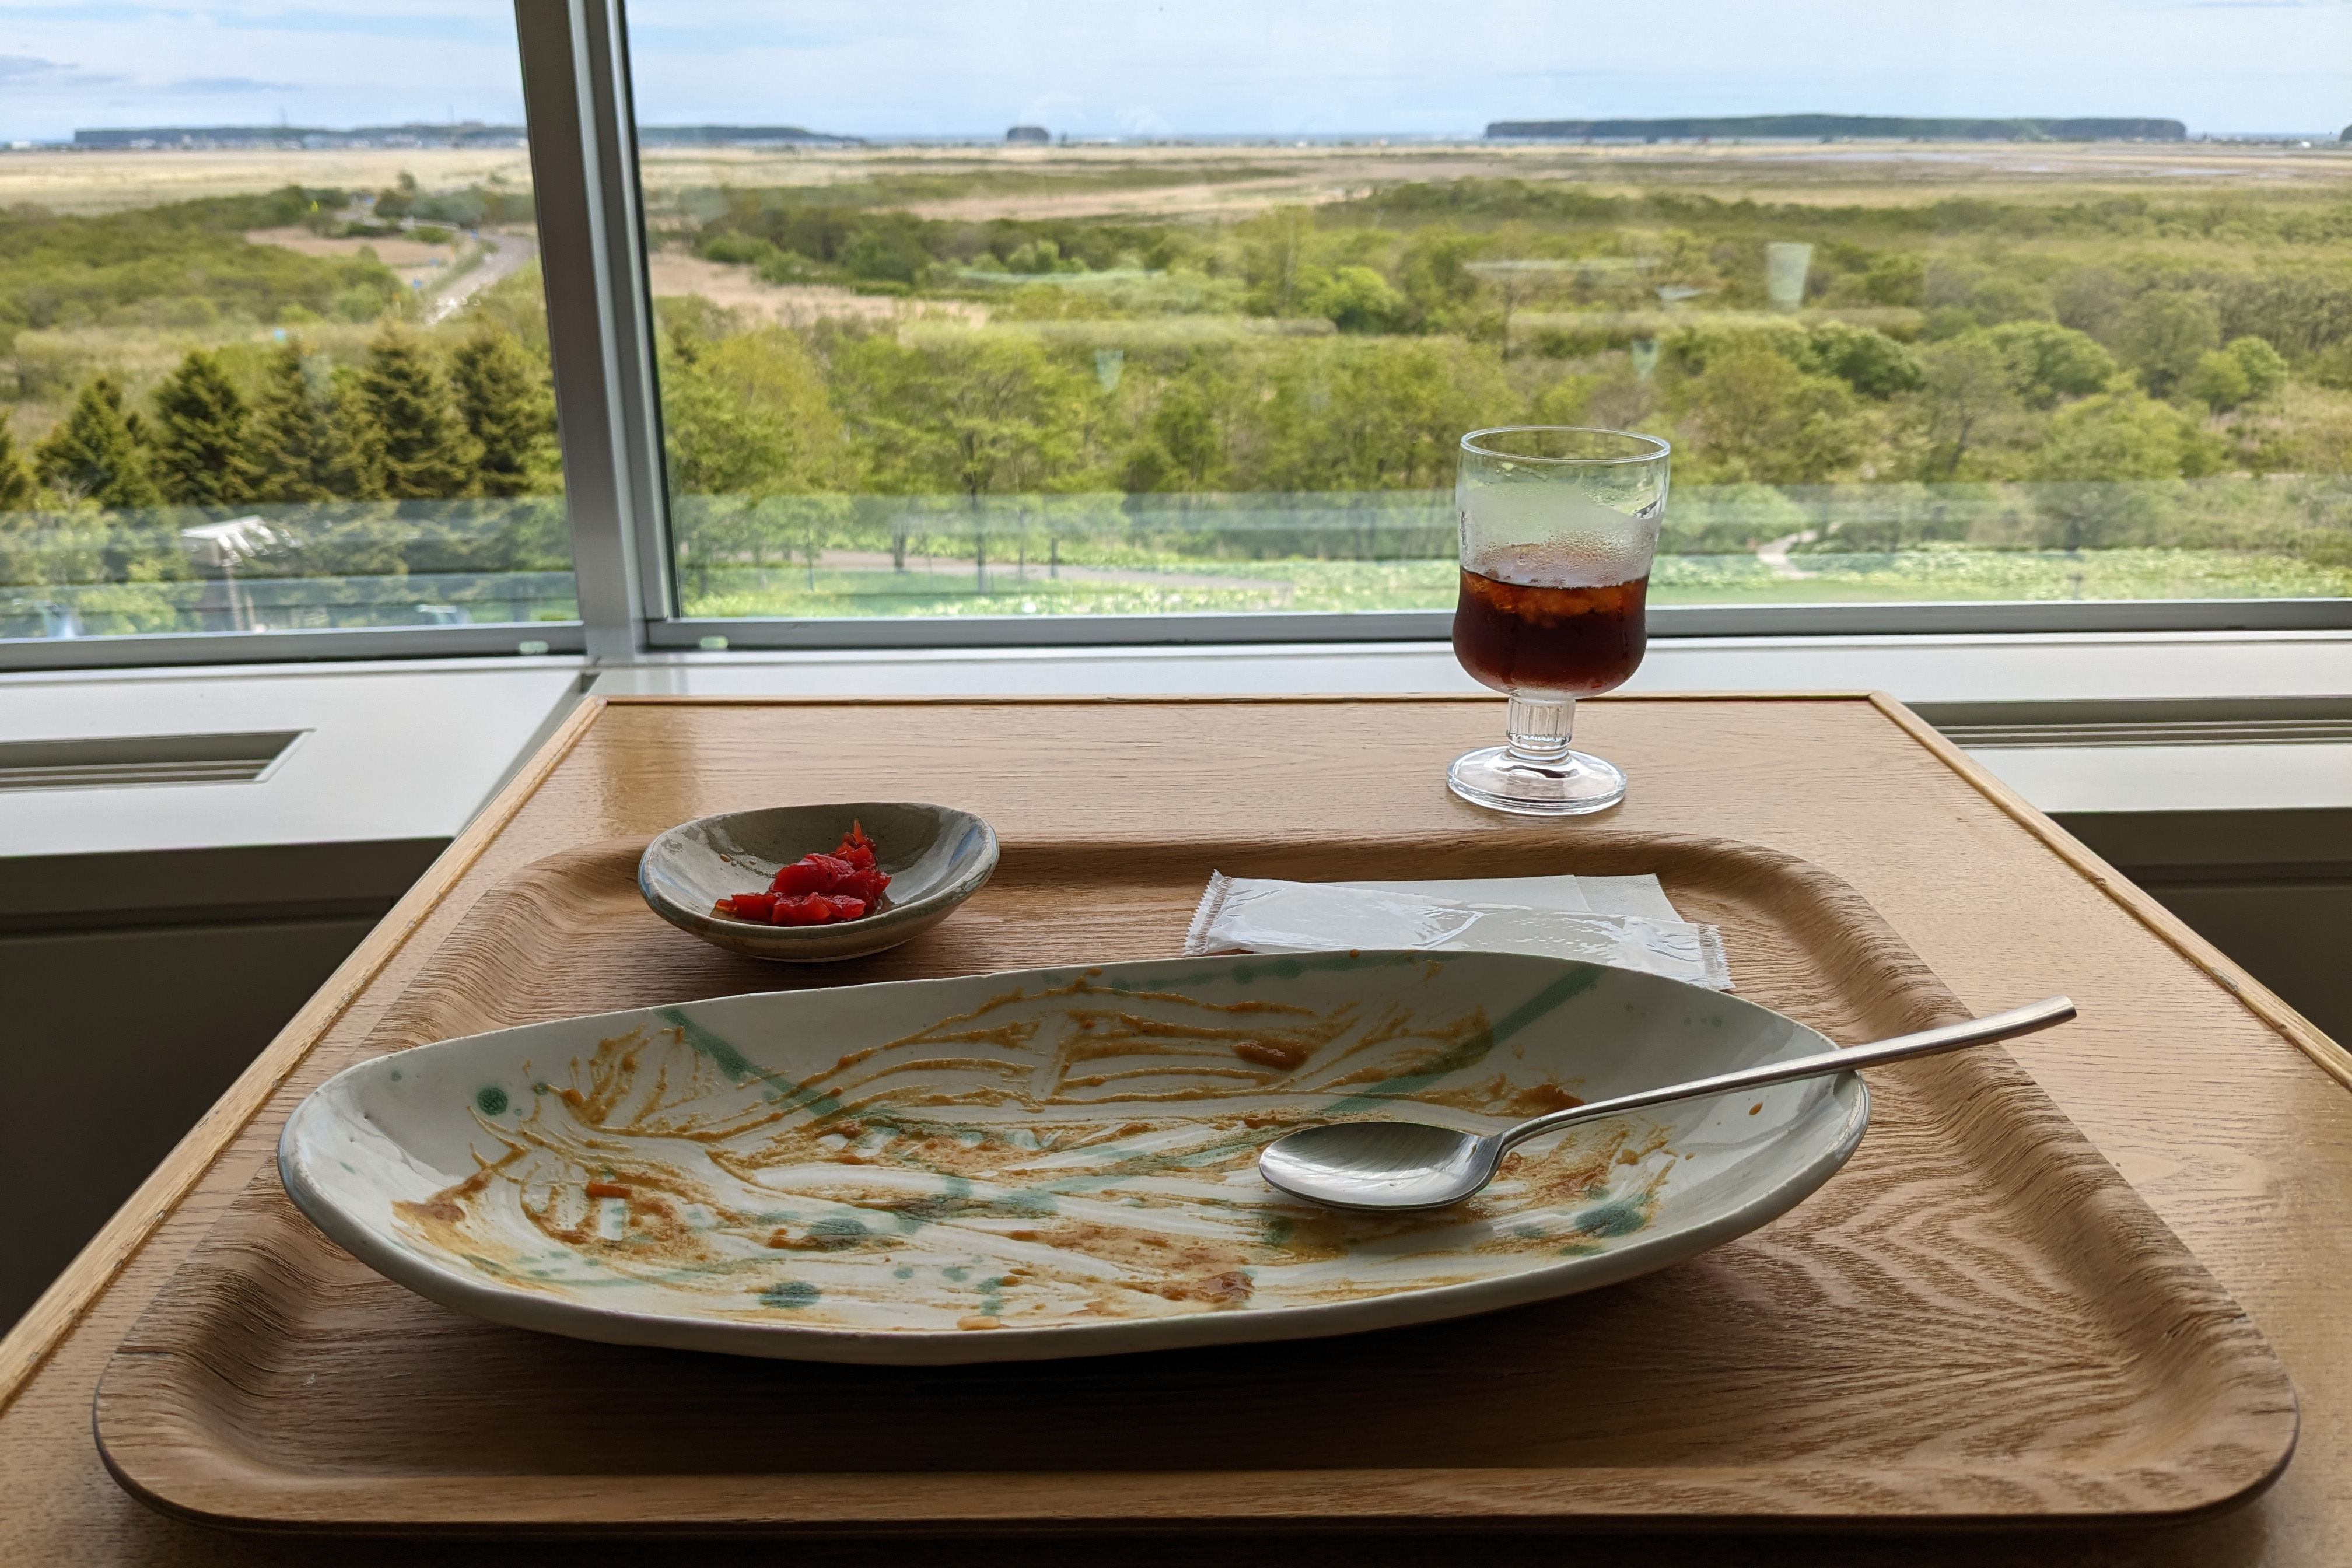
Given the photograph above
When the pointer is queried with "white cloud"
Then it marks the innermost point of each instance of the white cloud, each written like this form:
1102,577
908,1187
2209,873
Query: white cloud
212,84
251,61
26,72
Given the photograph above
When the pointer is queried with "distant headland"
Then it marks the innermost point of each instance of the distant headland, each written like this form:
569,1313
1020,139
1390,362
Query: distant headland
1817,127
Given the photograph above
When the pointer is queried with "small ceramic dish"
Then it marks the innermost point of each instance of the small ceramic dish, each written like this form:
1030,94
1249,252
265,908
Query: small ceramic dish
937,858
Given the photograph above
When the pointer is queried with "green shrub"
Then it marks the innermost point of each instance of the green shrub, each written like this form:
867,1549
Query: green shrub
2048,361
1866,360
2219,382
2265,367
738,249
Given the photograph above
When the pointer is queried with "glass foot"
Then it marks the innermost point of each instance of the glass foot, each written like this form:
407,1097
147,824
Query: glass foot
1567,785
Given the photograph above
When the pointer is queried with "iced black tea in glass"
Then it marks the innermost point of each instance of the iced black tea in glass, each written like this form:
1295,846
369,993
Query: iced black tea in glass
1559,526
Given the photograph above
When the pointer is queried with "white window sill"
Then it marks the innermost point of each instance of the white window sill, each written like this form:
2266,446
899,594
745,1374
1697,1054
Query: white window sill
1939,669
395,751
2151,667
409,751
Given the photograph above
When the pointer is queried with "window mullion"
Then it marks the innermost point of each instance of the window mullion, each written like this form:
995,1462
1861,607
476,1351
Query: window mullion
584,176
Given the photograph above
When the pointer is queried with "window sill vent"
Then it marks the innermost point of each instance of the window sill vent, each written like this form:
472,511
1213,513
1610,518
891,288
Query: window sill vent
2143,721
115,761
2183,732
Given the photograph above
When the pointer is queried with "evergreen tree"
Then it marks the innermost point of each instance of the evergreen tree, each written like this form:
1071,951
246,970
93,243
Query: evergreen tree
354,439
202,451
506,409
292,445
93,453
16,479
407,440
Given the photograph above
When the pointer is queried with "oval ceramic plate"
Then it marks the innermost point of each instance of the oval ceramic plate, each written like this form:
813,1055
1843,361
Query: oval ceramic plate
937,858
1052,1163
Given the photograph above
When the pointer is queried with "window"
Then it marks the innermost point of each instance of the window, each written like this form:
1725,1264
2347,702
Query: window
1049,313
951,323
273,354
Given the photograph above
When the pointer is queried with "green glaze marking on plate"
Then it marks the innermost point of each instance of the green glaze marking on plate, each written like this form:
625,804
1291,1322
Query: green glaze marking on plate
1575,983
395,1075
953,1200
1030,1205
738,1066
492,1100
836,1232
1622,1218
790,1293
1285,968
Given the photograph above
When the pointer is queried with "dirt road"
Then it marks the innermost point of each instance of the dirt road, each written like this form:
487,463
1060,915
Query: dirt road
506,254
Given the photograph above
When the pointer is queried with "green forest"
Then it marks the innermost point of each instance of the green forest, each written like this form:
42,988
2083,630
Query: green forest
2118,397
169,373
2092,396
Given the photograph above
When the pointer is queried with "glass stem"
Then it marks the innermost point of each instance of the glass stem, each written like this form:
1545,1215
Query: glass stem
1539,731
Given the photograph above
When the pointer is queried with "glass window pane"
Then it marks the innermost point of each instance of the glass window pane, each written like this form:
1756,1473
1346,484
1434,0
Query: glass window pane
273,354
1053,311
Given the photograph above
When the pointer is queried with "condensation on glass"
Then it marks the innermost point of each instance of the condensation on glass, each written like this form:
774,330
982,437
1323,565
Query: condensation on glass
273,355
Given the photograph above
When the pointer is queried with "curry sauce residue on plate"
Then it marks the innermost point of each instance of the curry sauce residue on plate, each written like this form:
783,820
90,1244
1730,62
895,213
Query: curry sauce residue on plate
1078,1154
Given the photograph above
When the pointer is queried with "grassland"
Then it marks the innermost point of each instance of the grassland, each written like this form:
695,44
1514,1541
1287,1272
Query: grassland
968,326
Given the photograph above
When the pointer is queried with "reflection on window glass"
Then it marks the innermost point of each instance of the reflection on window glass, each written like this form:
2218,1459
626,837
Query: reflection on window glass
1030,310
272,351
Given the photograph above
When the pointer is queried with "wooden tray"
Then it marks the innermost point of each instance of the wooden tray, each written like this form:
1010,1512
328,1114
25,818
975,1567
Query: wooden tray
1977,1321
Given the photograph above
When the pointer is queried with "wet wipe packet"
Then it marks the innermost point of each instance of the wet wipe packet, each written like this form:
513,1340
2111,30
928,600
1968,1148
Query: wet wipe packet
1624,921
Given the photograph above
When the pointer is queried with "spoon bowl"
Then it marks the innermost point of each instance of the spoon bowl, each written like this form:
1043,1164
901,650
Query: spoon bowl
1399,1166
1382,1164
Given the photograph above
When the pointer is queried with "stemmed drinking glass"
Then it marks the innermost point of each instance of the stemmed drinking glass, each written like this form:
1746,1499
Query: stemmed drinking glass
1559,526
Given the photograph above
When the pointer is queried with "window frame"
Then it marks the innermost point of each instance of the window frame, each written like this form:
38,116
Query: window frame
580,115
1989,617
665,631
586,193
164,649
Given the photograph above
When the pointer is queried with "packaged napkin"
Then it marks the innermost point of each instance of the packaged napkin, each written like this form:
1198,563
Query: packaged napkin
1625,921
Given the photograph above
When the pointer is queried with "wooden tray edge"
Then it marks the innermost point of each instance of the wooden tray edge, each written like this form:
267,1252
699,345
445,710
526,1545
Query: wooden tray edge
55,1312
1298,1502
2217,966
2251,1390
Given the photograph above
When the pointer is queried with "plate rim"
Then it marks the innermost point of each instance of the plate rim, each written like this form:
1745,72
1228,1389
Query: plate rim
448,1286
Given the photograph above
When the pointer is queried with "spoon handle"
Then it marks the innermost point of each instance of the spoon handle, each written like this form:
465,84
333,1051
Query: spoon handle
1902,1047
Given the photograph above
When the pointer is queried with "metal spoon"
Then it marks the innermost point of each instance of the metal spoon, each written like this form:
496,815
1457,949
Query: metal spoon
1413,1166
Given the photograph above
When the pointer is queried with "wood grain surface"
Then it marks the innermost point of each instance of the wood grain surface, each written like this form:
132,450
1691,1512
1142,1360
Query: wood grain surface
1855,1360
2240,1144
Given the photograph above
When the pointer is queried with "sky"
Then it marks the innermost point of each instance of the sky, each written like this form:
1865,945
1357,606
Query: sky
1198,66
